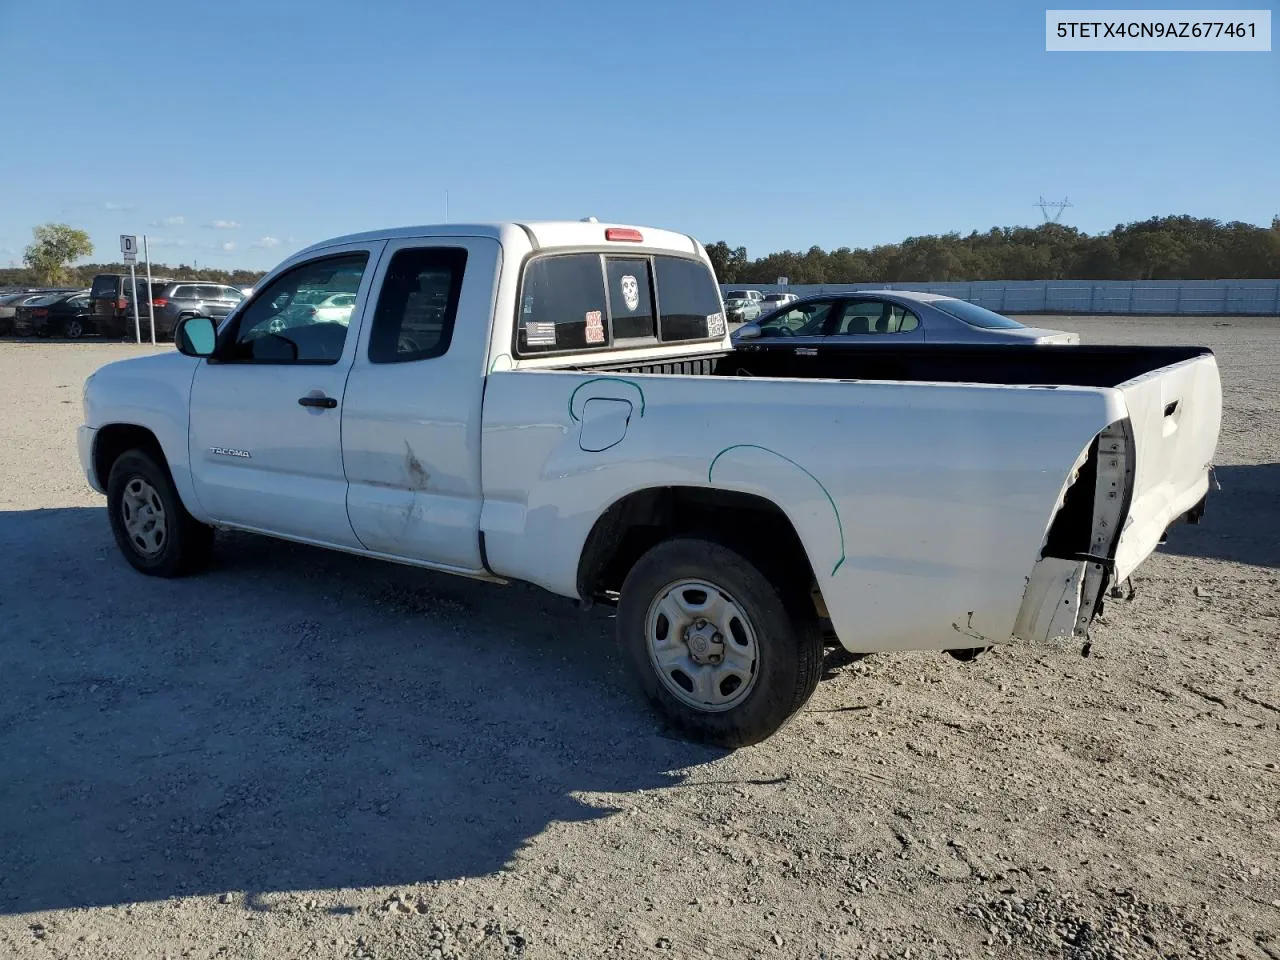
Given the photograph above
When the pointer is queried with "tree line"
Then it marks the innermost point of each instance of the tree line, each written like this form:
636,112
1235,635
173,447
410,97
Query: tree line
1162,248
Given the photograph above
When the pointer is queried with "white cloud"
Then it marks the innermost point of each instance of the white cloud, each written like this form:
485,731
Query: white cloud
265,243
228,247
168,222
223,225
115,206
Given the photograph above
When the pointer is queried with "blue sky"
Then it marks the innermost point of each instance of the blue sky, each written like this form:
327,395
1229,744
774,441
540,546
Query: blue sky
236,132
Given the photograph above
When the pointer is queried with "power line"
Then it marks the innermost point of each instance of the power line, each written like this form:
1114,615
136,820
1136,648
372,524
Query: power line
1057,206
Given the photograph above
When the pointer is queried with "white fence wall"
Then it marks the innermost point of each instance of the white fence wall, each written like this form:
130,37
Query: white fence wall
1161,297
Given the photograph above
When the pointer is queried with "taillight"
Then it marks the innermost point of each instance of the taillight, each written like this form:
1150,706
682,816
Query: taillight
40,312
121,303
623,233
159,302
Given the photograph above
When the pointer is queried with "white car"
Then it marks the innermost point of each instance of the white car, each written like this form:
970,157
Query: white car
560,403
775,301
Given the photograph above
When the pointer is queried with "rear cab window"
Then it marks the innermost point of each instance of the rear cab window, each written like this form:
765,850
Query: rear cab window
584,302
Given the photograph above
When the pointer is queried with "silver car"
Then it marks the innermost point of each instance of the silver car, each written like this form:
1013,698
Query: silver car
893,315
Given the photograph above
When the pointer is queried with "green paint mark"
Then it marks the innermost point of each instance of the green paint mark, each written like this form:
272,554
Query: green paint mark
629,383
502,356
834,510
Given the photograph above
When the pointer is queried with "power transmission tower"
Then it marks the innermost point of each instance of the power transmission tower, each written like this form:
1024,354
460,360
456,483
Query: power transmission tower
1057,206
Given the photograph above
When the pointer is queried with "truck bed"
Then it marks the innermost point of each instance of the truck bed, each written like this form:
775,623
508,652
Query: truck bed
1050,365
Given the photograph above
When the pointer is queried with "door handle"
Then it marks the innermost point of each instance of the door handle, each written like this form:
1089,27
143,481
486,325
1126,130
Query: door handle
327,403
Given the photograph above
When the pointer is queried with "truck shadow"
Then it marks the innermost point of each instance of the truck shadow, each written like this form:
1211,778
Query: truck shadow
1241,522
293,719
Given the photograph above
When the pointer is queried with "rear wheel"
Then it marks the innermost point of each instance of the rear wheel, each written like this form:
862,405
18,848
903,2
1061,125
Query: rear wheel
73,329
724,654
152,528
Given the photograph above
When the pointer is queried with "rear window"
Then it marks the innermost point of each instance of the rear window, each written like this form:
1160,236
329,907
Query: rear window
562,305
630,298
577,302
104,286
736,295
975,315
689,300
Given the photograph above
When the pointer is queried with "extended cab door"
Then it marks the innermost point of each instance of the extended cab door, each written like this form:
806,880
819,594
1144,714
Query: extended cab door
266,410
411,418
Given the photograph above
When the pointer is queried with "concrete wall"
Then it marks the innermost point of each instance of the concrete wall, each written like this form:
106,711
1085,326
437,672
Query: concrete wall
1162,297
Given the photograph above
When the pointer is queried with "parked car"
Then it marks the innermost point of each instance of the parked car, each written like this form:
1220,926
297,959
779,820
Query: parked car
728,502
65,314
899,315
741,306
772,301
10,303
111,305
174,300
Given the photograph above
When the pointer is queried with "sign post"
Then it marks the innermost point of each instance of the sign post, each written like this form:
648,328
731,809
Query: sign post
151,307
129,250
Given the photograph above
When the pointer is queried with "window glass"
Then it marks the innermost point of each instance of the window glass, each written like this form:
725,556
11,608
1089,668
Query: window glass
184,293
864,317
104,286
630,299
417,305
231,293
902,320
973,314
284,323
802,320
689,300
562,305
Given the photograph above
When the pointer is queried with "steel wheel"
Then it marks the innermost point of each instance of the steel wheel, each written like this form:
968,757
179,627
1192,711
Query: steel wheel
143,514
702,645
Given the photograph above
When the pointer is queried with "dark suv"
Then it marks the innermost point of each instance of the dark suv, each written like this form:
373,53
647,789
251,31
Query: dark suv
173,300
109,303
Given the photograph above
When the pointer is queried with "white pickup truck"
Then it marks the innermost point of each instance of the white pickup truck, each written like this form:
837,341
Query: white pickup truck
559,403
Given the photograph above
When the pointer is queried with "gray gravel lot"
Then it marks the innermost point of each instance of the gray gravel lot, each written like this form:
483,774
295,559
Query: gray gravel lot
304,754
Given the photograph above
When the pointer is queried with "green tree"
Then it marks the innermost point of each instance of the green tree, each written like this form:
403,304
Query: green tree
55,246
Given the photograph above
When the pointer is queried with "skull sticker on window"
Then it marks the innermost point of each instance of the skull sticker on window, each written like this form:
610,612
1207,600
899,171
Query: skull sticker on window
630,292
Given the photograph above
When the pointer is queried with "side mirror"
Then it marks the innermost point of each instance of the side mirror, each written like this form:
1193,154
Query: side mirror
196,337
749,331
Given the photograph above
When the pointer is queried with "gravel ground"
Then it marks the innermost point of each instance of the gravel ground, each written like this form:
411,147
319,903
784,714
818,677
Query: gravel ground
303,754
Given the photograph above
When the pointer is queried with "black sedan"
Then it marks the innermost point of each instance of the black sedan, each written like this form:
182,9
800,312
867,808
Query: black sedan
65,314
10,302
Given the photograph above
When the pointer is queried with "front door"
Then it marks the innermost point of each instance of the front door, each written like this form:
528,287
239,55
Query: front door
266,411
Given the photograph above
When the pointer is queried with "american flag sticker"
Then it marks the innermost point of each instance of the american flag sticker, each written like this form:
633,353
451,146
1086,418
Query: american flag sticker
540,334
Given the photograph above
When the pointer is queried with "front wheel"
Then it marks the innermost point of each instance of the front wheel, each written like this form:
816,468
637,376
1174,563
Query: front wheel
152,528
724,652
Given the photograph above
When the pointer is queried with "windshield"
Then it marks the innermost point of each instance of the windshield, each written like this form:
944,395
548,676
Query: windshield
975,315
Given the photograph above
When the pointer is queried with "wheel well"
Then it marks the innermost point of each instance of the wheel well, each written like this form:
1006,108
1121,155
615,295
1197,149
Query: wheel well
117,438
641,520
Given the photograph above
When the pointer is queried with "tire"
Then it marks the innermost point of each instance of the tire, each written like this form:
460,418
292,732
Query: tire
152,528
777,630
73,329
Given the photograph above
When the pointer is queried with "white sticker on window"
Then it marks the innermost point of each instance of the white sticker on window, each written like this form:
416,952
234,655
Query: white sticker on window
540,334
715,324
630,292
595,326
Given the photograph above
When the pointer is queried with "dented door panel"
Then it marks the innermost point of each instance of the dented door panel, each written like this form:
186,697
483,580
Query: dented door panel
411,430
